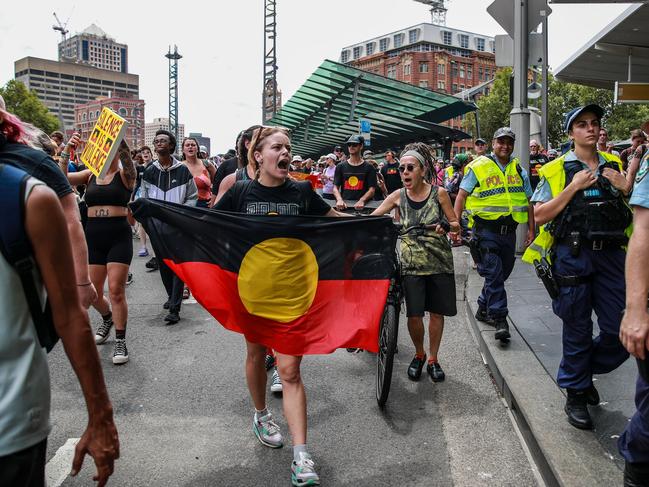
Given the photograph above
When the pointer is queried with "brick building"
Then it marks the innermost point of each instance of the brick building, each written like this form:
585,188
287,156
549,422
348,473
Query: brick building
130,108
430,56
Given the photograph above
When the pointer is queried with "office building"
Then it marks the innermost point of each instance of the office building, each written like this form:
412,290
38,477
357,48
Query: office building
95,48
150,129
202,140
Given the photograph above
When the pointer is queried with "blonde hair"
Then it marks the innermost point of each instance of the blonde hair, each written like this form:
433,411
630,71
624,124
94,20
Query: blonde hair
258,138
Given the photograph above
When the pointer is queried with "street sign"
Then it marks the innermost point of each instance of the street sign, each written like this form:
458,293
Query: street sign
631,92
505,50
365,128
503,12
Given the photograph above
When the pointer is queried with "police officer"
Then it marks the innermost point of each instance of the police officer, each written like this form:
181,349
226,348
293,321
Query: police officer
634,334
496,191
580,202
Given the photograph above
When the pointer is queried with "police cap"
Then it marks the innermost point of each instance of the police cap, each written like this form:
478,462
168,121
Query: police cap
575,112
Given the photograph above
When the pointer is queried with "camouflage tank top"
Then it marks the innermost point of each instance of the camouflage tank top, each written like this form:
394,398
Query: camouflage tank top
429,253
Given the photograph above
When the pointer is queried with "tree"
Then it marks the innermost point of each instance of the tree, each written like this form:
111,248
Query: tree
25,104
494,108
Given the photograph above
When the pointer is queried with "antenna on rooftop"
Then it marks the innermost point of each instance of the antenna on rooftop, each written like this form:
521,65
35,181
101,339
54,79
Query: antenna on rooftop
437,10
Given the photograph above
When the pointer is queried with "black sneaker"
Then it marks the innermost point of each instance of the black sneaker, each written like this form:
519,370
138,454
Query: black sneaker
172,318
577,410
592,396
167,304
103,332
152,264
129,278
270,362
636,474
120,353
414,369
481,315
502,330
435,372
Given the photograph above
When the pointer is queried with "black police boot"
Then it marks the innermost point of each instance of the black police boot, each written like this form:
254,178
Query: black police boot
636,474
481,315
577,409
592,396
414,369
502,329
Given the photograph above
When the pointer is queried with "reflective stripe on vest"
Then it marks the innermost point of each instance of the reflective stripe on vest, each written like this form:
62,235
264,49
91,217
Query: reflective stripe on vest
497,194
554,173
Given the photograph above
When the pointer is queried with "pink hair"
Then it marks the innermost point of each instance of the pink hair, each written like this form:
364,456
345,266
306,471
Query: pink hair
12,127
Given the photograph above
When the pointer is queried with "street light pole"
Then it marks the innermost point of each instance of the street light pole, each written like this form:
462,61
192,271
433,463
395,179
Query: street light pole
544,80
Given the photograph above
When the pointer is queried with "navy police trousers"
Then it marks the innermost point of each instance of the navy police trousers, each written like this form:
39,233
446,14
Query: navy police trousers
634,442
604,293
498,256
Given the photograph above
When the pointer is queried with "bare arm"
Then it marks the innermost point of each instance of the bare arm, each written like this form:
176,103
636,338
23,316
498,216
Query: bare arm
48,232
447,208
78,178
226,184
128,171
389,203
634,330
460,200
545,212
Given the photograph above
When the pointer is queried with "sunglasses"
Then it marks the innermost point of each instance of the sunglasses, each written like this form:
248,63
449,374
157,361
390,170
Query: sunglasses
408,167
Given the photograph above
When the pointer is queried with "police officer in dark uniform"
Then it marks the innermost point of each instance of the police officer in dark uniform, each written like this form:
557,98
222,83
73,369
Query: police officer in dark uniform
580,202
634,334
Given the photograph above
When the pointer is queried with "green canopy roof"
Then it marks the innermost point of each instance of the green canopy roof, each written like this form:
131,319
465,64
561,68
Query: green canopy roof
326,109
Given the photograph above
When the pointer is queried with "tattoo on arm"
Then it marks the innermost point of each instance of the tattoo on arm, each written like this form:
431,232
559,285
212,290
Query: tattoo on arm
127,164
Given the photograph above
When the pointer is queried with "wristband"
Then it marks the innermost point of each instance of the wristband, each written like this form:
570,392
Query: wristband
85,284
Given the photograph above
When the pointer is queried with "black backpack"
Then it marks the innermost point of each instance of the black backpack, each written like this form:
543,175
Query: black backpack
16,248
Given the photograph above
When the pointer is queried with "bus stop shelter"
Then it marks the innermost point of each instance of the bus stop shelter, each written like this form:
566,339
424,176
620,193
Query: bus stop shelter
328,108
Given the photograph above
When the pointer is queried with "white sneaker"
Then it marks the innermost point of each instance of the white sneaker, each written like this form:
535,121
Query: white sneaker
276,383
303,471
267,431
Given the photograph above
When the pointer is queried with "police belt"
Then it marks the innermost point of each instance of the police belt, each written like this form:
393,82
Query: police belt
598,244
501,226
569,281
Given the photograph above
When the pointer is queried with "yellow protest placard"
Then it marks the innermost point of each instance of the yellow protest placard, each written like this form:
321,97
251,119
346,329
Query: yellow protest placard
104,142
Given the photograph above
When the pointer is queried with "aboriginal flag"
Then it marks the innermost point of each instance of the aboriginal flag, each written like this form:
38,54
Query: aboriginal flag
297,284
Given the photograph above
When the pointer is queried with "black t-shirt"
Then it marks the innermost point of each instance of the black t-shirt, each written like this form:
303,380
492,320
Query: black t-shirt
253,198
226,168
392,177
38,164
354,181
537,161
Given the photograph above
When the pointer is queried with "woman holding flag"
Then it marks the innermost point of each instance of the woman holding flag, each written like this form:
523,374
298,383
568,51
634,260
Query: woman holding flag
273,192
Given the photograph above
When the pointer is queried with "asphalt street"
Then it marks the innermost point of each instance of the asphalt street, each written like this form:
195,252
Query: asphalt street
184,415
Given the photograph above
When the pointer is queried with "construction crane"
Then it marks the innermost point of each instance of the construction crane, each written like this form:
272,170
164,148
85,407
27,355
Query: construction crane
437,10
62,28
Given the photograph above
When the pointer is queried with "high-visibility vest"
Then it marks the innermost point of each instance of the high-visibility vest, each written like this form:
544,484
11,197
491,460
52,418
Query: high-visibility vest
554,173
448,173
497,194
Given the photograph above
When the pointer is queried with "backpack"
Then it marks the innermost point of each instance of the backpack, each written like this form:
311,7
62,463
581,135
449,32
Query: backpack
16,248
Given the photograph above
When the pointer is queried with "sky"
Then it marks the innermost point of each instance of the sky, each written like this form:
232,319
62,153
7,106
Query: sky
220,74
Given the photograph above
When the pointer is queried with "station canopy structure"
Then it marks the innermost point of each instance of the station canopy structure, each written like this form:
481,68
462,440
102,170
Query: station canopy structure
327,108
619,50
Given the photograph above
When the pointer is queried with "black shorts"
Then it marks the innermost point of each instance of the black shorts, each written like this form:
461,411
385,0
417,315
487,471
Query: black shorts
25,468
434,293
109,240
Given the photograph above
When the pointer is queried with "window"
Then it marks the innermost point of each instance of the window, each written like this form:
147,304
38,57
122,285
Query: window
441,69
423,83
83,117
398,40
344,56
423,67
461,70
357,52
392,71
464,41
123,112
384,44
454,70
406,69
492,46
413,35
369,48
480,74
441,85
479,43
447,37
454,88
469,72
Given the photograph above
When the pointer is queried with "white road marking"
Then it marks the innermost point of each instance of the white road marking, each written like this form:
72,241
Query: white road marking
58,468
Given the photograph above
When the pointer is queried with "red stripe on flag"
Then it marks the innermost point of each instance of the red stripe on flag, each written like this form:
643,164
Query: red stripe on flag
344,313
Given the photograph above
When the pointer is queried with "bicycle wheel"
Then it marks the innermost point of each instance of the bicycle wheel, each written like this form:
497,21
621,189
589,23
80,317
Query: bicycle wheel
385,357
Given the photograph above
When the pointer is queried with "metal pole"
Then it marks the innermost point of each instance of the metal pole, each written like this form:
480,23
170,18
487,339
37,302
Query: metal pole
544,80
520,114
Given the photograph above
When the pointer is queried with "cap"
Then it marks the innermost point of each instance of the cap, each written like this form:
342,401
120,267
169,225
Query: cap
296,159
332,156
505,132
552,152
202,148
480,140
338,148
575,112
355,139
460,159
368,153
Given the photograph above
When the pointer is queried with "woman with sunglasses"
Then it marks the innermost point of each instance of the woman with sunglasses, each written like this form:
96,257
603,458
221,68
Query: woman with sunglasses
426,258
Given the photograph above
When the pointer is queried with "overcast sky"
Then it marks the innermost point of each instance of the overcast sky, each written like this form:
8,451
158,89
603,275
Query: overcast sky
220,75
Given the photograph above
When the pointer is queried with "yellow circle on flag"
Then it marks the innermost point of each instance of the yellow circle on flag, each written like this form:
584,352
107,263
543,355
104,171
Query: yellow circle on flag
278,279
353,181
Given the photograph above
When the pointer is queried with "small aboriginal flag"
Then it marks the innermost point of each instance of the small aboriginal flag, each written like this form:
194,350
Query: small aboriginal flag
300,285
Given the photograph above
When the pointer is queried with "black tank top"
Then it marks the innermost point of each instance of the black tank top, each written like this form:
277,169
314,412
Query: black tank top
112,194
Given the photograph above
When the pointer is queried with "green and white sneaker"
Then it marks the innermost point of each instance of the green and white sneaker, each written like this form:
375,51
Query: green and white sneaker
303,471
267,431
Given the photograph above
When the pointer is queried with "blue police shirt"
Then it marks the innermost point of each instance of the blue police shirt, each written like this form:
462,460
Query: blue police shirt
543,193
469,181
640,194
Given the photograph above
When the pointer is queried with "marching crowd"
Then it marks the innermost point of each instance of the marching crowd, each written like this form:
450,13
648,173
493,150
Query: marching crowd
574,205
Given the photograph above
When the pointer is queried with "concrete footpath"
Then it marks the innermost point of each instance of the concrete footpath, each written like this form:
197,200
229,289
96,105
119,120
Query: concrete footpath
525,371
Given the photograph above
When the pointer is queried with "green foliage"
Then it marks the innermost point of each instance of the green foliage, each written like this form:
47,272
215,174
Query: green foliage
562,97
26,105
